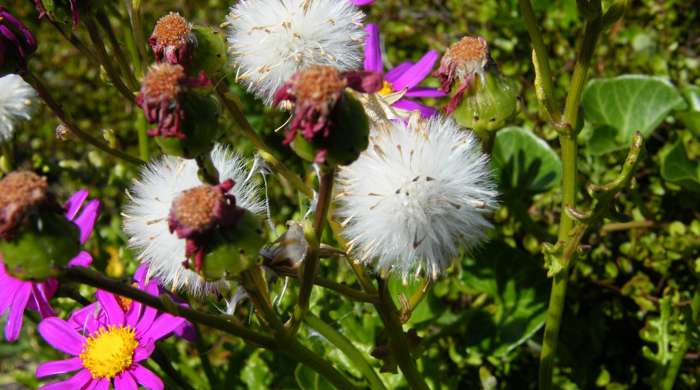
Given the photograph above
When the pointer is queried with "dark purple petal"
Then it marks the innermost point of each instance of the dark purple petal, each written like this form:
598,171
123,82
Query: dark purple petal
14,319
74,203
40,302
61,335
417,73
86,219
396,72
373,49
410,105
186,331
78,381
125,381
164,325
146,378
425,92
110,305
58,367
83,259
364,81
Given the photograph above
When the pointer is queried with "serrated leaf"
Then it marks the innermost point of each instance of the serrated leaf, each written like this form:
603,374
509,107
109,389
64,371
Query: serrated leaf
677,168
524,162
618,107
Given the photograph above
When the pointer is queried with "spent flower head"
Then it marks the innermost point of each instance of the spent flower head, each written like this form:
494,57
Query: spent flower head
271,39
464,60
418,193
172,39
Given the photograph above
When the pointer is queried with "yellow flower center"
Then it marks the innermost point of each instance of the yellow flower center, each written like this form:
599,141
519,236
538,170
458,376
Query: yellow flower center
109,351
387,89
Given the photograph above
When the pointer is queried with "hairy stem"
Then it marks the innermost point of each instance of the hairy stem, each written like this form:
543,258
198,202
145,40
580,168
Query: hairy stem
43,92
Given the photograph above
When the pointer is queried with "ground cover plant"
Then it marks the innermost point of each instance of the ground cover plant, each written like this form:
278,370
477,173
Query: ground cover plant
349,194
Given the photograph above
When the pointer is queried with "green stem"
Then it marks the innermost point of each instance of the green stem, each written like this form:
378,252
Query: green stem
202,350
569,150
342,289
8,155
346,346
142,133
103,19
207,171
246,129
106,61
544,74
43,92
136,18
397,338
76,42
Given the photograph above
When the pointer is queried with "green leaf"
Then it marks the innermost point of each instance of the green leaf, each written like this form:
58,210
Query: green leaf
256,374
524,162
677,168
308,379
618,107
691,117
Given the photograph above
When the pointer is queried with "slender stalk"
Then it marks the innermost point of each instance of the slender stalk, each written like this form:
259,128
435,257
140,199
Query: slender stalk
76,42
569,150
342,289
541,57
255,286
207,171
136,18
346,346
397,338
43,92
227,324
124,65
106,61
265,151
8,155
142,133
310,265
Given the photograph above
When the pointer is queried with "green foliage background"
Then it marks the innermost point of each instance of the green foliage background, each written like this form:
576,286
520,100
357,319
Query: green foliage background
629,298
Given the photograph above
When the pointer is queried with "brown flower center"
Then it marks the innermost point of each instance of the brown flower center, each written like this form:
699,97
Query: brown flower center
20,192
319,85
163,80
196,208
172,30
469,49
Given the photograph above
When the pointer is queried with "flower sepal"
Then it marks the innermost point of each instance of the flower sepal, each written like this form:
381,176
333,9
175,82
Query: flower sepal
488,104
210,54
233,250
40,246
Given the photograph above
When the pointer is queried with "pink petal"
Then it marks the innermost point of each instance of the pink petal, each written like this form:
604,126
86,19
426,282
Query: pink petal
125,381
417,73
86,319
410,105
164,325
425,92
16,316
40,301
58,367
144,350
361,3
8,288
102,384
147,378
78,381
82,259
86,219
74,202
186,331
114,312
396,72
61,335
373,50
149,313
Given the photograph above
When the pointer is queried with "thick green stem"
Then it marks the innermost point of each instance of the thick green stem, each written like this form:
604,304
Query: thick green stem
346,346
246,129
569,150
397,338
43,92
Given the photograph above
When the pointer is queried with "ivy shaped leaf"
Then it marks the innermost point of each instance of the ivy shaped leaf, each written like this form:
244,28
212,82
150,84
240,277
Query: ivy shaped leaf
619,106
677,168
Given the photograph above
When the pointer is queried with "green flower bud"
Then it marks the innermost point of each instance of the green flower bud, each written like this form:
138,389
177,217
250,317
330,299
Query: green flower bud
234,251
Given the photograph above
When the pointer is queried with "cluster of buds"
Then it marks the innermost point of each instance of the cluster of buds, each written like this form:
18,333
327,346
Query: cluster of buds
483,99
329,125
172,39
17,43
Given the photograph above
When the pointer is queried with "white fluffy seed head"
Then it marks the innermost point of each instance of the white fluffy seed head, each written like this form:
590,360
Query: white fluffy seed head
270,40
146,215
418,193
16,101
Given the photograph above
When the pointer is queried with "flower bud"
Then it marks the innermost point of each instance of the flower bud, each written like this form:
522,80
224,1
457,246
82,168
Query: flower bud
36,237
329,125
484,99
218,234
17,43
172,40
187,120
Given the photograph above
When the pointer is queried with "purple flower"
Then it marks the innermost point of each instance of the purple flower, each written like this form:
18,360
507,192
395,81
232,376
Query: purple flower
17,43
16,295
108,349
404,78
93,314
361,3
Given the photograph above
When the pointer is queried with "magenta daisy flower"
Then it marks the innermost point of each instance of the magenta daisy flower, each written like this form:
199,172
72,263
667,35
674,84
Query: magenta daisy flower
17,43
16,295
107,349
401,82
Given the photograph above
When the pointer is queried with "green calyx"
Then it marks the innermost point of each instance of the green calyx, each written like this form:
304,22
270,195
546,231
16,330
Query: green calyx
200,126
209,53
43,244
488,104
348,137
235,249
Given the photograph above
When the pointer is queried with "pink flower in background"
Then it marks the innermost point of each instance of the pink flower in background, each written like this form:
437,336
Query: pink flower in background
401,82
107,349
361,3
17,295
